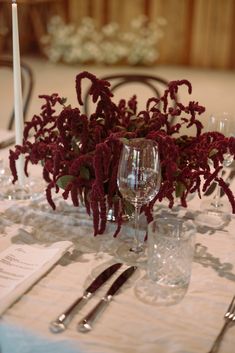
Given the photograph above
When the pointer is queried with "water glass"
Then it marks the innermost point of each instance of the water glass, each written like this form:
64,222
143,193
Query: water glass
170,255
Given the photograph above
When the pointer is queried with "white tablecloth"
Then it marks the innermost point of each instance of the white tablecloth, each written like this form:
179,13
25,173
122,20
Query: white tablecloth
128,325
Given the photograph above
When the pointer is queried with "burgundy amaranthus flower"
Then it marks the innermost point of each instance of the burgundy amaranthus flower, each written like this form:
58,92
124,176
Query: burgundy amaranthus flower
80,154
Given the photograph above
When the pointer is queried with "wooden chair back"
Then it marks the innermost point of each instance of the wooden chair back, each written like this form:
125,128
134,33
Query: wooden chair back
27,86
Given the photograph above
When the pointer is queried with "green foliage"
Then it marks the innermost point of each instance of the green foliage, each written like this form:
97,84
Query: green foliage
179,189
64,180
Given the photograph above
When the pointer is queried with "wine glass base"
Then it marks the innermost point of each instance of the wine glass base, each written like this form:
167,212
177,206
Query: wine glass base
213,215
218,206
33,189
127,254
151,292
212,219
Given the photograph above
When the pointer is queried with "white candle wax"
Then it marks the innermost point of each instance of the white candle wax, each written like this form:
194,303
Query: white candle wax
18,104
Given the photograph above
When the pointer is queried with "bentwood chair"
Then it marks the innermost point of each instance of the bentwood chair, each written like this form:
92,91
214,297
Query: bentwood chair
128,84
6,63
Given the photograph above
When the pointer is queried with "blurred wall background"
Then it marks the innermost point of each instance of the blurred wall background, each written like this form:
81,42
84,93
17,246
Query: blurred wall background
199,33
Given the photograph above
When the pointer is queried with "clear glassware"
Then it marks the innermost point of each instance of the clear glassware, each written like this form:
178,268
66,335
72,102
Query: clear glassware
139,178
5,179
32,189
170,255
217,207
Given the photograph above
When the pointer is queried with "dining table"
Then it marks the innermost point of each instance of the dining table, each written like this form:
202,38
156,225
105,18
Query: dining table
128,325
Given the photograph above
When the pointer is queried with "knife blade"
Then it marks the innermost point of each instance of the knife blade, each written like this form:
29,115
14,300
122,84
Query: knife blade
86,324
60,324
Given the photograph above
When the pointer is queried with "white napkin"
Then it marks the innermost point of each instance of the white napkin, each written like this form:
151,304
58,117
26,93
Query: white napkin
21,265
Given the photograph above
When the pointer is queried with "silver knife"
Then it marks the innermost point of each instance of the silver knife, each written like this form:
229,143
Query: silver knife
86,323
60,324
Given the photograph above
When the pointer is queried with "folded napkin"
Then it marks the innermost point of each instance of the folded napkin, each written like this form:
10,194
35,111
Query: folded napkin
22,265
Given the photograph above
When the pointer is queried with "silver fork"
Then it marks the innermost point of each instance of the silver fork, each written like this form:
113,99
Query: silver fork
229,319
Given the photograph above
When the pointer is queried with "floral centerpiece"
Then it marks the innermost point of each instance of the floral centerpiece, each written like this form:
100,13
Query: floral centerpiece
80,153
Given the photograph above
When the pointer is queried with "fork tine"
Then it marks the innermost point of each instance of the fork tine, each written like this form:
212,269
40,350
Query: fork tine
231,309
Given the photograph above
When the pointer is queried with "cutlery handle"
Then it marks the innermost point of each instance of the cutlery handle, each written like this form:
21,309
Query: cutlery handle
87,322
218,339
60,324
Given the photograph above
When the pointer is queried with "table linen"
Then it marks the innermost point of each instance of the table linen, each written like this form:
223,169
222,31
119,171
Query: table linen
128,325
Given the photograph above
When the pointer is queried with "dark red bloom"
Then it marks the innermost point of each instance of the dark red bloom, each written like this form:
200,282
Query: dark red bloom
80,154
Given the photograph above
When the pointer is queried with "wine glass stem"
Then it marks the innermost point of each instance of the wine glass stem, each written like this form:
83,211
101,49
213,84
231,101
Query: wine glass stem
138,246
216,200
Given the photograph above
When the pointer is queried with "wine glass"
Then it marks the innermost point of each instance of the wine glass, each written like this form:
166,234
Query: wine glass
5,179
31,189
138,179
216,207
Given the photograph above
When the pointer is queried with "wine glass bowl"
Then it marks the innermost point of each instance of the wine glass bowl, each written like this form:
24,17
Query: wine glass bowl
216,205
138,179
222,124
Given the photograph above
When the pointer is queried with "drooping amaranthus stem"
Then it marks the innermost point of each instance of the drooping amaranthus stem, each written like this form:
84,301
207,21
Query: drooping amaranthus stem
80,153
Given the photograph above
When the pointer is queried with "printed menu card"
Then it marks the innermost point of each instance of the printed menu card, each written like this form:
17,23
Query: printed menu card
21,265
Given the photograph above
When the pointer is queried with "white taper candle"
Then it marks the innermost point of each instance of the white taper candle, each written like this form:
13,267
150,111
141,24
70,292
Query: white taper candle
18,103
